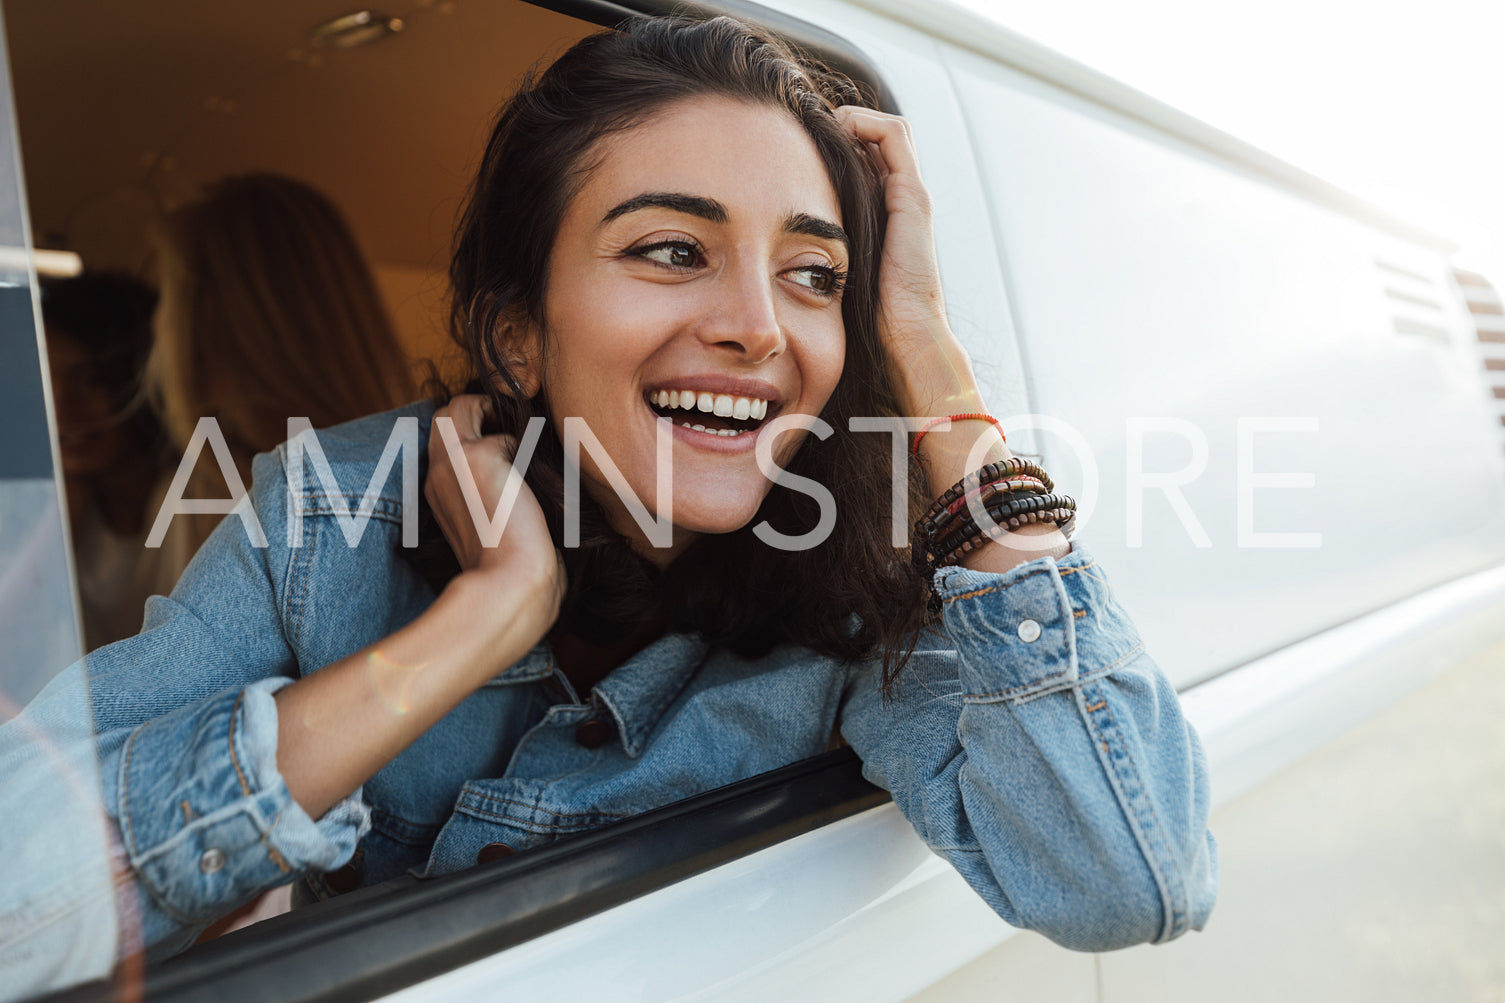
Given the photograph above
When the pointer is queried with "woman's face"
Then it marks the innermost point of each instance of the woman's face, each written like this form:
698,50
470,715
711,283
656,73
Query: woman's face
700,262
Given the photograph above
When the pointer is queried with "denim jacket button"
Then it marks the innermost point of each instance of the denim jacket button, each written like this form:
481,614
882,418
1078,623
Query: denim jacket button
212,861
1029,631
494,851
593,733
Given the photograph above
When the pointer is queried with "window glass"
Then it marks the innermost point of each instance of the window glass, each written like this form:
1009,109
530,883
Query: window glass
68,931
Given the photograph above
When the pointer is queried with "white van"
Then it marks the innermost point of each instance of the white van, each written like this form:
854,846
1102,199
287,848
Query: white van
1282,410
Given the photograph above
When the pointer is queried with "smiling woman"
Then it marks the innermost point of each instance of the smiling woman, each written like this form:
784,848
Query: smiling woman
691,248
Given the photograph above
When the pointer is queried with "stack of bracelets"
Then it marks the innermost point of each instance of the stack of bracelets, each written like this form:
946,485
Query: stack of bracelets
1013,492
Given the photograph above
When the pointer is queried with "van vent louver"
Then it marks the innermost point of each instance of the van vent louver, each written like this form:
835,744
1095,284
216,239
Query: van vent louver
1488,313
1415,302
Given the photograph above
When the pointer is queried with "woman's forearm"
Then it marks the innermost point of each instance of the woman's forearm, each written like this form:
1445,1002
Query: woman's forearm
947,386
340,725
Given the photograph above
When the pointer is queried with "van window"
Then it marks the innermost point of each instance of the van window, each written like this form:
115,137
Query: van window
124,111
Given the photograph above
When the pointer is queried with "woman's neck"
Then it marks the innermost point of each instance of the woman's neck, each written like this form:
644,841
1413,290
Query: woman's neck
585,663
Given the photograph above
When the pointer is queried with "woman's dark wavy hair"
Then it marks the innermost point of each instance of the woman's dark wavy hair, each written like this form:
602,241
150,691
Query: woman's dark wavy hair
854,595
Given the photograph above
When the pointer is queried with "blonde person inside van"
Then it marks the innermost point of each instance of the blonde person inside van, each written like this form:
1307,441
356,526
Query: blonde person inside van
690,266
268,311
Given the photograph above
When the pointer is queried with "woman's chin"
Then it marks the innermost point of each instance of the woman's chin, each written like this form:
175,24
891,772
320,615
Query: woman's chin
704,519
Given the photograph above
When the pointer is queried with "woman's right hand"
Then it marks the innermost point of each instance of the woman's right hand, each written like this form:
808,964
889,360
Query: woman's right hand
338,726
523,552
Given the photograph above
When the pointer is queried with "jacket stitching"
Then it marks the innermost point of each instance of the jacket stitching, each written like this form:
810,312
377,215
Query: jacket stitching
1004,588
382,509
1096,673
526,824
1034,684
1150,839
125,793
1171,892
534,807
245,788
300,569
129,828
297,581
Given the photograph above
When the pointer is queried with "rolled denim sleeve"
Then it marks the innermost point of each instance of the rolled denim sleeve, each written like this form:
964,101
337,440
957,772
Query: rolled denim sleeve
1038,748
217,826
186,732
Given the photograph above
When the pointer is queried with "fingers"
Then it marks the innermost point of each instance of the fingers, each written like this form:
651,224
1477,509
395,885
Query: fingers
468,412
890,137
464,466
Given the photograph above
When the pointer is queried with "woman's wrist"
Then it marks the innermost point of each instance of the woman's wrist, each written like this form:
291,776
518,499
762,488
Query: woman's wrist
935,375
503,614
947,455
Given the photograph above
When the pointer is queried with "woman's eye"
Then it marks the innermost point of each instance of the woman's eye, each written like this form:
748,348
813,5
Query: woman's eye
673,254
820,279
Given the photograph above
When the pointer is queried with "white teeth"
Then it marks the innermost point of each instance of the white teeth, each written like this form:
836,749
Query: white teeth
718,431
721,405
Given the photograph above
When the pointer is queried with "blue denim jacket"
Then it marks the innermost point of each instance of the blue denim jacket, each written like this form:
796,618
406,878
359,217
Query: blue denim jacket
1034,744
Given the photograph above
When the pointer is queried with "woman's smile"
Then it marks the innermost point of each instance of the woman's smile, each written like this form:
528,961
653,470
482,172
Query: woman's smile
719,413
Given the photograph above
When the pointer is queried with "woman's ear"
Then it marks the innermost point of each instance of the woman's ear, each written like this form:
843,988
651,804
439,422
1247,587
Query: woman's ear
520,344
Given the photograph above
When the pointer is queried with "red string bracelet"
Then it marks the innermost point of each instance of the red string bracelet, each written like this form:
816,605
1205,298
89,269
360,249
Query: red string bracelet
914,447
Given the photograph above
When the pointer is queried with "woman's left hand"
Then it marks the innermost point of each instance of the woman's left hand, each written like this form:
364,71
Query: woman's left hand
935,376
932,373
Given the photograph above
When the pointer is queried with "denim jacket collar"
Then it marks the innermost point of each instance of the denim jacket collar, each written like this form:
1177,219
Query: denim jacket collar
638,691
535,665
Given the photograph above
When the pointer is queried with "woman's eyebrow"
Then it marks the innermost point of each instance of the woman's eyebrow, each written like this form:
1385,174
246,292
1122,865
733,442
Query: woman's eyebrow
714,211
814,226
690,205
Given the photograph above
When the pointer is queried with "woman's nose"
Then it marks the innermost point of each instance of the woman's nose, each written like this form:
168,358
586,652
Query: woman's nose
744,318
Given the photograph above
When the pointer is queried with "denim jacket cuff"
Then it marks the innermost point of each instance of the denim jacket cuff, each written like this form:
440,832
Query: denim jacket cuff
1054,622
222,827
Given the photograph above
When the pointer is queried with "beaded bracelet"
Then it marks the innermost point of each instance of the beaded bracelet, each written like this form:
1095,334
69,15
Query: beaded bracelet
1013,492
997,471
998,510
1062,517
985,494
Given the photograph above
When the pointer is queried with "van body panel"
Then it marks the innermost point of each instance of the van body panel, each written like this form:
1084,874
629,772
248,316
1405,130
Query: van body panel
1151,281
